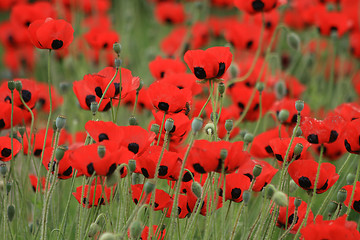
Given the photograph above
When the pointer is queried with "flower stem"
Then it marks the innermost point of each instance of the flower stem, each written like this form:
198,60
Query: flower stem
353,190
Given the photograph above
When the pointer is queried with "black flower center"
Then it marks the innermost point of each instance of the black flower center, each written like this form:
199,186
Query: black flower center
200,72
56,44
305,182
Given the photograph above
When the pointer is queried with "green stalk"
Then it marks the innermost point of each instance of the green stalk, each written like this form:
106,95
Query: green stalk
161,129
108,86
353,190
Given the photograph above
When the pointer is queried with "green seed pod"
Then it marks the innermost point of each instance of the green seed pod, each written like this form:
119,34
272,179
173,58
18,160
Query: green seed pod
3,169
112,179
260,86
135,229
350,178
60,122
221,88
117,63
214,116
149,187
107,236
298,149
101,151
8,187
117,48
243,133
298,132
135,178
283,115
169,124
11,212
196,189
293,186
280,89
209,128
64,87
94,106
341,195
223,154
257,170
59,153
229,124
297,202
132,165
299,105
196,124
155,128
54,125
11,85
280,199
246,197
293,41
332,207
18,86
22,130
132,121
248,138
93,230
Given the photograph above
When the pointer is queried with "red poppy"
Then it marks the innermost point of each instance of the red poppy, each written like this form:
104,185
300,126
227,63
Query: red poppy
169,166
227,113
100,197
183,80
200,35
208,64
162,199
327,22
65,170
256,6
13,35
208,200
145,233
34,182
5,148
171,44
101,38
332,151
161,67
143,101
182,209
289,105
303,172
355,204
5,116
265,177
348,111
260,145
355,43
236,184
170,12
290,212
322,131
44,98
51,34
279,148
330,229
20,58
250,41
351,134
101,6
222,3
168,98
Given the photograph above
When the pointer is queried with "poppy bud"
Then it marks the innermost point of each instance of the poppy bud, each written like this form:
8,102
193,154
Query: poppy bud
117,62
60,122
297,202
214,116
298,149
64,87
149,187
132,165
299,105
101,151
298,132
107,236
269,191
248,138
221,88
283,115
209,128
18,86
229,124
8,187
234,70
280,199
94,107
93,230
293,186
223,154
257,170
132,121
260,86
350,179
135,178
112,179
135,229
59,152
243,133
11,212
117,48
155,128
22,131
141,84
11,85
280,90
332,207
3,169
196,189
169,124
246,197
293,41
196,124
54,125
341,195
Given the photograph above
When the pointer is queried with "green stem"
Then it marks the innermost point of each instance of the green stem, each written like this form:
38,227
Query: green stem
108,86
353,190
161,129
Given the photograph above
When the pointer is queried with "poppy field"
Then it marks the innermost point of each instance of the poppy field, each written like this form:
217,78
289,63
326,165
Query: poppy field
180,119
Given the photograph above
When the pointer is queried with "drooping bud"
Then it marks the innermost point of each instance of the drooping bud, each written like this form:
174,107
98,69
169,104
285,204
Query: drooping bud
117,48
196,124
93,230
107,236
169,124
196,189
280,199
149,187
135,229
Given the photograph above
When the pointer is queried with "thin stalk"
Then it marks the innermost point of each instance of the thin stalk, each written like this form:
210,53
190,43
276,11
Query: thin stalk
161,129
353,190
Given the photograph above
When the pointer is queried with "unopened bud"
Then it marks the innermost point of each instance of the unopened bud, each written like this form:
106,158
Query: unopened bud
196,124
257,170
11,85
221,88
117,48
246,197
107,236
132,165
260,86
155,128
223,154
243,133
132,121
18,86
234,70
135,229
117,62
332,207
196,189
135,178
94,106
60,122
11,212
112,179
350,178
149,187
280,90
298,149
299,105
8,187
101,151
3,169
59,153
93,230
297,132
248,138
269,191
214,116
293,41
293,186
141,84
169,124
229,124
341,195
297,202
283,115
280,199
22,131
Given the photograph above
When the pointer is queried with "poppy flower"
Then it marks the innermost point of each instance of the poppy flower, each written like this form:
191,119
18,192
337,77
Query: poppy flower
322,131
279,148
170,12
183,80
99,197
161,67
182,209
290,212
168,98
200,35
303,172
16,59
192,199
65,170
256,6
5,148
162,199
143,101
34,182
236,184
351,134
44,98
12,35
289,105
327,22
330,229
348,111
145,233
250,41
101,38
5,116
355,43
169,166
208,64
222,3
51,34
355,205
265,177
227,113
260,147
171,44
